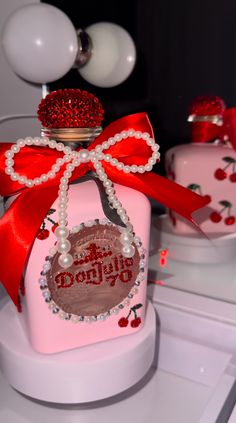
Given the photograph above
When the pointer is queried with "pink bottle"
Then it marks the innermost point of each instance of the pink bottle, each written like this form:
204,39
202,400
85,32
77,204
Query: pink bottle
102,295
207,168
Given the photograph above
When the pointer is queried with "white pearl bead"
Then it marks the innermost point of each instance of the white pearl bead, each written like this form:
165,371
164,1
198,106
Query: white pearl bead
124,218
109,190
53,251
59,146
36,141
105,145
52,144
145,136
70,167
126,238
120,210
62,206
14,176
29,141
9,162
44,177
9,170
155,147
76,162
141,169
51,174
67,150
55,168
29,183
67,158
63,246
61,232
138,134
116,203
107,183
156,155
107,158
98,148
9,154
37,181
67,174
120,166
114,162
22,180
148,167
128,250
112,198
124,134
150,142
65,260
117,137
62,214
84,155
134,168
131,132
126,169
62,222
15,148
59,162
151,161
111,141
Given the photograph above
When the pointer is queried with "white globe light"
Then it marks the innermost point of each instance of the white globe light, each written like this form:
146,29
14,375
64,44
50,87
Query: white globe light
40,43
113,55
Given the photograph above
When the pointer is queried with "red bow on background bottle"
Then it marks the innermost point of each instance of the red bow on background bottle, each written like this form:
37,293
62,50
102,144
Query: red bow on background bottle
211,120
20,224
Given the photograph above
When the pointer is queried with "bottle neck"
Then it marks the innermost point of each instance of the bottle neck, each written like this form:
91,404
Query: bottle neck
73,137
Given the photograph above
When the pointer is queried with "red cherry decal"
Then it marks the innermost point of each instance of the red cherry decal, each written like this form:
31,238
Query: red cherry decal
207,197
220,174
230,220
54,227
233,177
135,323
215,217
123,322
43,234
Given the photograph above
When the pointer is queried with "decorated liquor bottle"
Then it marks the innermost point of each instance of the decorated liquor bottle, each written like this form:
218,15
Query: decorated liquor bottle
207,166
77,225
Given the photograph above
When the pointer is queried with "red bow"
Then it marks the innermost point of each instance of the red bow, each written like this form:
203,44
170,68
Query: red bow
21,222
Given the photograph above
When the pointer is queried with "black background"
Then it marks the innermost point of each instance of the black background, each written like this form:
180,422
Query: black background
185,48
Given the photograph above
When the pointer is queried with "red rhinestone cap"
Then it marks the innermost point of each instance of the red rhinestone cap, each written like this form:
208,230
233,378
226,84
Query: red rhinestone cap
70,108
207,106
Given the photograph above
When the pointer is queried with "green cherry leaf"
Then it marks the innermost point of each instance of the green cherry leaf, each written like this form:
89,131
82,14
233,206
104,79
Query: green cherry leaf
225,203
228,159
193,187
51,211
136,307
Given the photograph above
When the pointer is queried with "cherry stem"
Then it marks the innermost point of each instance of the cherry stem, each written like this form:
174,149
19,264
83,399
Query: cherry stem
51,220
229,210
43,224
228,164
127,317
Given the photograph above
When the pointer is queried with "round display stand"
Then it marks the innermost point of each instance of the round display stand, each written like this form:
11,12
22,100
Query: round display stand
81,375
192,247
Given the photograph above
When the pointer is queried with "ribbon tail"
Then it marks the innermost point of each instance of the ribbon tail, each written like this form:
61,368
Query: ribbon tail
17,234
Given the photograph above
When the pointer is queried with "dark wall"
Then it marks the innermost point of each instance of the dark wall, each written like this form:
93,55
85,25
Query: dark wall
185,48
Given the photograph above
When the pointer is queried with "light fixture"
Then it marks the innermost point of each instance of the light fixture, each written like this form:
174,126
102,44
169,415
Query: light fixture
42,45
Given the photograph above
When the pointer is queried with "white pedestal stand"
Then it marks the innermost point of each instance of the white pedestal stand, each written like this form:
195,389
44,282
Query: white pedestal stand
77,376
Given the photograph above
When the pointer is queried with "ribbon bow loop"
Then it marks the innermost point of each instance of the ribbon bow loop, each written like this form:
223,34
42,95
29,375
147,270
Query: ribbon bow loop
123,152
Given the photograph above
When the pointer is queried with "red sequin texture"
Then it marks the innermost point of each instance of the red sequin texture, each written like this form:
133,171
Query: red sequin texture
70,108
207,106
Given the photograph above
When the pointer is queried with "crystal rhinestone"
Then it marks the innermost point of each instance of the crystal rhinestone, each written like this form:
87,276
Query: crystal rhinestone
137,283
102,317
55,310
121,306
142,269
74,319
42,281
94,318
46,294
67,316
42,287
48,300
130,295
81,318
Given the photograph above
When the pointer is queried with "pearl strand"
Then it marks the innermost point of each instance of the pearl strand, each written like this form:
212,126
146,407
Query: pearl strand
73,160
